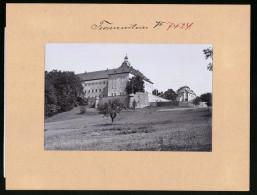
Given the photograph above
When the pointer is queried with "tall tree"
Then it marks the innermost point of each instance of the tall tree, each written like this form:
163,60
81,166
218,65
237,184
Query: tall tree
170,95
62,90
197,100
207,97
135,84
51,107
208,52
155,92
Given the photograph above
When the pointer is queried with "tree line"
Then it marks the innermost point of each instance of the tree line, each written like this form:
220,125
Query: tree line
136,84
63,91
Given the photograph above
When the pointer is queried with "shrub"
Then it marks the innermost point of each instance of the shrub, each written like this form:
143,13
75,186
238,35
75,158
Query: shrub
196,101
51,109
61,91
113,104
82,109
135,84
207,97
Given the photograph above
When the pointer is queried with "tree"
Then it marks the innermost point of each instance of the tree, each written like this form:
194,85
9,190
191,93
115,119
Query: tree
155,92
113,114
197,100
135,84
170,95
160,94
51,107
62,90
209,55
207,97
112,107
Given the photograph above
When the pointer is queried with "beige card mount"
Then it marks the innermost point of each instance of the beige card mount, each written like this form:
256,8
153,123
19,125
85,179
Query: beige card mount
30,26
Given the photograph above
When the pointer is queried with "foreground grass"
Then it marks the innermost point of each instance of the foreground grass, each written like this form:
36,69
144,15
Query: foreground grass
134,130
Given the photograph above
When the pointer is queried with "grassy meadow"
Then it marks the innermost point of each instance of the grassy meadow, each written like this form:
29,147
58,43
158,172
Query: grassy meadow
146,129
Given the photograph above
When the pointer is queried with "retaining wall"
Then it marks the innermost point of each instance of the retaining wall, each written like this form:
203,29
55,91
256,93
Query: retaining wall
171,103
123,98
144,99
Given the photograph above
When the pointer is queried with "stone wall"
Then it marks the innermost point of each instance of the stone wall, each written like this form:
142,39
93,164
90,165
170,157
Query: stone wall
170,103
145,99
123,98
140,98
175,104
154,104
154,98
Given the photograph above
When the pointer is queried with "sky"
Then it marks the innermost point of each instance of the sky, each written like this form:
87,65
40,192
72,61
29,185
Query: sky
168,66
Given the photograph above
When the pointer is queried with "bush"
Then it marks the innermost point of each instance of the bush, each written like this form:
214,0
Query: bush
82,101
135,84
113,104
82,109
62,90
207,97
51,109
92,105
196,101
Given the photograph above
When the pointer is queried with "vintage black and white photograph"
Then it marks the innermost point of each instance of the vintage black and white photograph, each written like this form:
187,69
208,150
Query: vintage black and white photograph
128,97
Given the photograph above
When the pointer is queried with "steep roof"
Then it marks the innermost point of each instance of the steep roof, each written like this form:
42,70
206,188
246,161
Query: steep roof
126,68
183,89
103,74
96,75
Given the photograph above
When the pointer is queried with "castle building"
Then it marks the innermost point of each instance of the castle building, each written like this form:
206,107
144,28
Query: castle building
111,82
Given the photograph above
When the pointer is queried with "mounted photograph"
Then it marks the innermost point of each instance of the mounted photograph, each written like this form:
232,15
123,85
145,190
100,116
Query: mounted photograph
128,97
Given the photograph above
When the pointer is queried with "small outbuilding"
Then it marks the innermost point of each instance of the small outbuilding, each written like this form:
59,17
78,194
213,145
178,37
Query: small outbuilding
185,94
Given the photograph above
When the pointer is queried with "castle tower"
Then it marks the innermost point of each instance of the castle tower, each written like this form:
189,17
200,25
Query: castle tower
126,58
126,62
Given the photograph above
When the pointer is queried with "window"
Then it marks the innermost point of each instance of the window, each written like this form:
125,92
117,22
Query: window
88,91
96,90
112,94
100,90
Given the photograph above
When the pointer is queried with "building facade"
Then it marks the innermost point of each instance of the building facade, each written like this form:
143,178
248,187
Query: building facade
111,82
186,94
